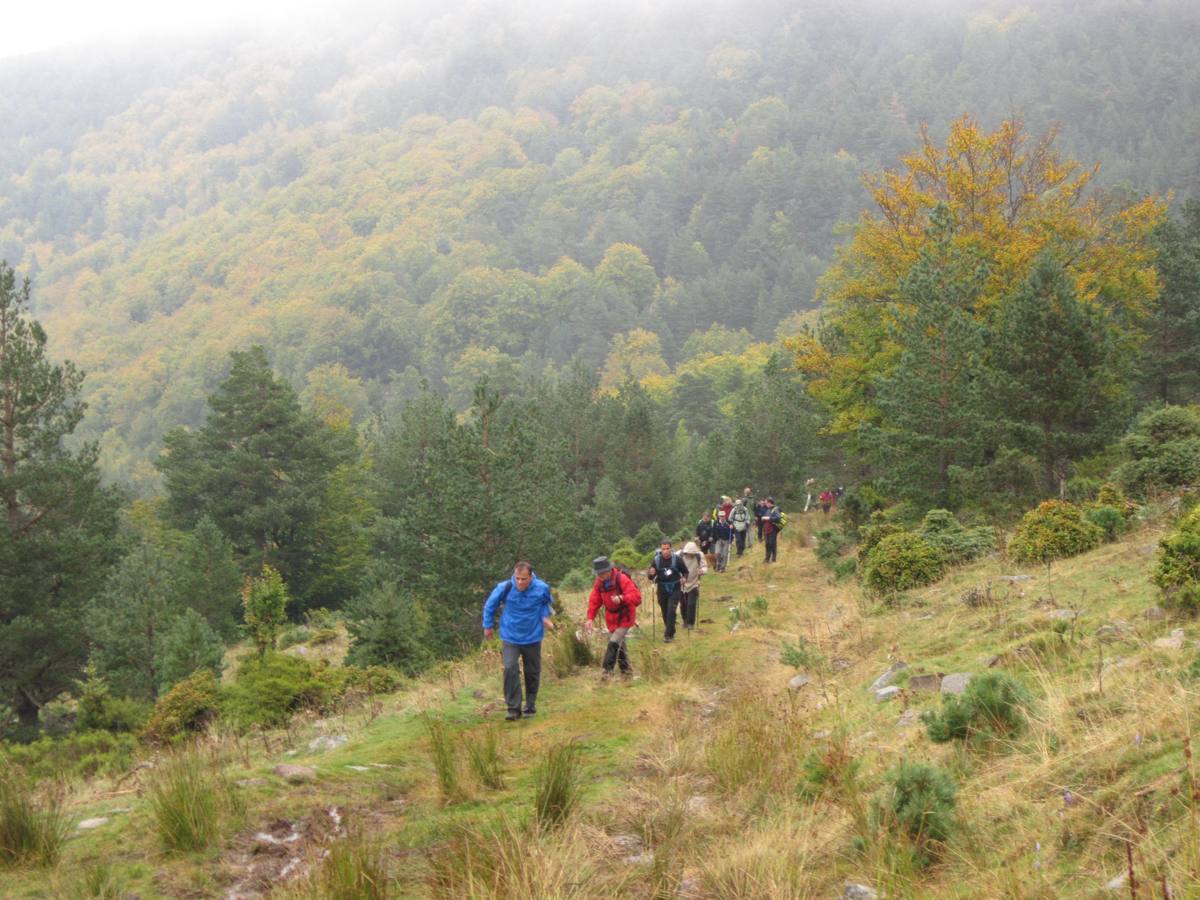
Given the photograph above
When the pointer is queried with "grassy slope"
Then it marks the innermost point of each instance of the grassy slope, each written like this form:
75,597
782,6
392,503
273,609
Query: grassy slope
701,755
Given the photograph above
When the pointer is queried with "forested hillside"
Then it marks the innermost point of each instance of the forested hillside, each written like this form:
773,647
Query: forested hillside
436,193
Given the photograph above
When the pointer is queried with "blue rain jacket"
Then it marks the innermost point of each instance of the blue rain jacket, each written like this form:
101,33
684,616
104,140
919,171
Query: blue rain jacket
521,620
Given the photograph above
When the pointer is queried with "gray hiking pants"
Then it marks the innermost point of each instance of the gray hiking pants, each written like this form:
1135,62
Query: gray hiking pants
721,552
531,656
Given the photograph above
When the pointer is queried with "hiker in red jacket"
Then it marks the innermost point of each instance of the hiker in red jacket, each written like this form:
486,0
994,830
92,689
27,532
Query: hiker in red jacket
616,592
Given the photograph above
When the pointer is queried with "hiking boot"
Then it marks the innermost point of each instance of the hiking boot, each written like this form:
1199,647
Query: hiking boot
529,711
513,715
610,657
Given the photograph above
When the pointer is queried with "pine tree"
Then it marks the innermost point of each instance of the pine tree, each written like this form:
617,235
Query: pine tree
258,468
1170,365
931,407
57,522
189,643
1057,383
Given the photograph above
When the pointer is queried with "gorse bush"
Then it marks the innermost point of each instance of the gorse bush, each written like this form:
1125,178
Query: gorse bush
1177,570
901,562
1162,451
956,542
872,533
1109,519
270,689
993,706
557,785
189,706
1053,530
191,802
84,755
830,544
33,820
917,801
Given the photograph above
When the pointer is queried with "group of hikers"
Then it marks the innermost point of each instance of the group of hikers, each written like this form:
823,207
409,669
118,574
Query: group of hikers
827,499
525,603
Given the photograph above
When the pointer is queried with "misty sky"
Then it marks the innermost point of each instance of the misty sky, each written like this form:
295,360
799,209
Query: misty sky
51,24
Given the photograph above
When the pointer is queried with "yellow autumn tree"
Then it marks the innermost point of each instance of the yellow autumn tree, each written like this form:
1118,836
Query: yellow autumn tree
635,355
1011,198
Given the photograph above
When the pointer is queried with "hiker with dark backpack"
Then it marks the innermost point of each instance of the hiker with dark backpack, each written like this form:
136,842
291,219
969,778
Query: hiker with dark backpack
668,571
620,597
704,535
772,524
525,615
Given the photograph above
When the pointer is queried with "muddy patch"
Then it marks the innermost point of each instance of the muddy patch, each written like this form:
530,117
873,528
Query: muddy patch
280,851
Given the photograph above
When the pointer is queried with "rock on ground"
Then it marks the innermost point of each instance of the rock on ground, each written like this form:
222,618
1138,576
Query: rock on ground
889,676
956,683
296,774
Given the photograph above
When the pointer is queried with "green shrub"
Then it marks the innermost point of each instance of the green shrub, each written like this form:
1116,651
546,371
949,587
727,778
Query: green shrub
901,562
292,635
648,538
872,533
368,679
85,755
188,706
957,543
1110,520
627,555
33,820
1177,570
846,568
264,605
918,801
557,785
860,503
190,802
1162,451
993,706
830,544
801,656
577,580
268,690
188,645
831,770
1053,530
98,710
388,627
323,636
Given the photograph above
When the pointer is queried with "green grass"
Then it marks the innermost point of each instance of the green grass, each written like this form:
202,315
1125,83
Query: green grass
33,820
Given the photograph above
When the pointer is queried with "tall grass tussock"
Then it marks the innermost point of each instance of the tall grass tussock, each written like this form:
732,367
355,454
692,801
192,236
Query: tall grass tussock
33,820
191,802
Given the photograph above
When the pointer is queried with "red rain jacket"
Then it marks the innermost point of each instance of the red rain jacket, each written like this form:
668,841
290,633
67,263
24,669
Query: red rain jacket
617,614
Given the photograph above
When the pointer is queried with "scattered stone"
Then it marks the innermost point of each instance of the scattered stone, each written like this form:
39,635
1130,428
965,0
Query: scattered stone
300,650
1064,614
840,662
820,735
89,824
991,661
359,768
645,858
697,805
1174,642
889,676
1147,549
1111,632
1118,883
883,695
909,717
858,892
251,782
1013,579
956,683
1155,613
931,682
924,618
799,681
296,774
478,694
688,887
328,742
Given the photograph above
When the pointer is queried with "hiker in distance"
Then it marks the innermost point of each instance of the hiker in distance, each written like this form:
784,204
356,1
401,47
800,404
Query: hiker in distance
668,571
772,523
722,540
740,520
696,566
525,615
704,532
620,597
747,499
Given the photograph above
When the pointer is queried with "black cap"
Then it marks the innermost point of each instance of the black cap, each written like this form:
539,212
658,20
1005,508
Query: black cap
601,565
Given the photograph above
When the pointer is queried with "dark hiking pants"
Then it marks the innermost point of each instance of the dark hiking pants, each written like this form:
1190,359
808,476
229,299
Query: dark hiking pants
668,600
740,537
530,655
771,540
691,600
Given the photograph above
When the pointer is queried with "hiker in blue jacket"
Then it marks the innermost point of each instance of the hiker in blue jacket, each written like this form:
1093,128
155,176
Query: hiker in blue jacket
526,615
